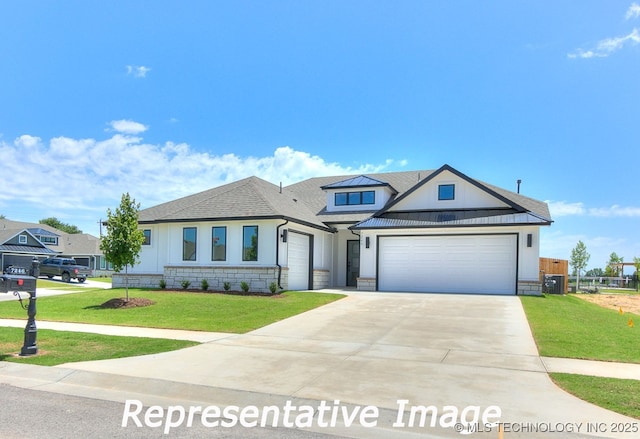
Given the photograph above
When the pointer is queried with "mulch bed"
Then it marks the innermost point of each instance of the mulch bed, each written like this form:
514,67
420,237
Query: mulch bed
122,302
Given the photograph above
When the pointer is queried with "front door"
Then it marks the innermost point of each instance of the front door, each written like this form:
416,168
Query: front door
353,263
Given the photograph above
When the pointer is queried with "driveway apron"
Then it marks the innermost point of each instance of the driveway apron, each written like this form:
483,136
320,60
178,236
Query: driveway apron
379,348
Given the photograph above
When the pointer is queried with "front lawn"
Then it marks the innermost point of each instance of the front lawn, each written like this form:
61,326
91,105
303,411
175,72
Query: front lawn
568,327
174,310
58,347
621,396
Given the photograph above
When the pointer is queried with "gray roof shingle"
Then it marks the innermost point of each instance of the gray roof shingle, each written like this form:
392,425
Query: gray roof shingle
251,197
305,202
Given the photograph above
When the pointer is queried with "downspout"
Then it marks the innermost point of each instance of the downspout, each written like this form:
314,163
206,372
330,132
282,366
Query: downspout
278,252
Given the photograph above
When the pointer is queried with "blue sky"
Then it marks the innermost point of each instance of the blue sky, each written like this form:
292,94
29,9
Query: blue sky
166,98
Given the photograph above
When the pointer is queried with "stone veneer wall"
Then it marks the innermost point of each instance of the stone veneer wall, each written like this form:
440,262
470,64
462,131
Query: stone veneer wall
258,278
321,279
529,288
136,280
366,284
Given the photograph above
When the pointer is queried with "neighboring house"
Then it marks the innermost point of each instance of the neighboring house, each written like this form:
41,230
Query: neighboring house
20,242
418,231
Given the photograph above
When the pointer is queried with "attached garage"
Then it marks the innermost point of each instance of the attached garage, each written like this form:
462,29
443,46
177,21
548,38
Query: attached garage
299,260
483,264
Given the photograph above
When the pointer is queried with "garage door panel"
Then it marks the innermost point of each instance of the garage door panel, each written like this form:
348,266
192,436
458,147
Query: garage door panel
450,264
298,261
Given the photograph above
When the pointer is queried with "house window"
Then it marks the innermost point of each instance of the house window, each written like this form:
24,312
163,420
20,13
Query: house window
22,239
250,243
147,237
52,240
368,197
355,198
218,243
189,236
446,192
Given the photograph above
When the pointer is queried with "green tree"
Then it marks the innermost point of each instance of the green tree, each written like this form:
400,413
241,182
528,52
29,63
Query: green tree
56,223
579,259
613,266
2,216
636,263
595,272
123,239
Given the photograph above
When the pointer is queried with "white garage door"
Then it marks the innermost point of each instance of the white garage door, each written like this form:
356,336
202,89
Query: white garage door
298,261
448,264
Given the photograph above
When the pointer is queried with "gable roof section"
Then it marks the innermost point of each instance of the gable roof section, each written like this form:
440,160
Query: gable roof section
313,195
251,197
7,235
521,211
68,243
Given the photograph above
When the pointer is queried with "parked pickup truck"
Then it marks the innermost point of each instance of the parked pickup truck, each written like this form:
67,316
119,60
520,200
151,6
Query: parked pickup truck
67,268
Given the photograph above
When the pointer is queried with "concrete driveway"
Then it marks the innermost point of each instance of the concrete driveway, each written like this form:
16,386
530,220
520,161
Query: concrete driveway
379,348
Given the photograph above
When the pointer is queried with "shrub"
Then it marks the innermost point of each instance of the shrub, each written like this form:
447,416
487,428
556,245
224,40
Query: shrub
204,284
226,286
273,287
185,284
244,286
163,284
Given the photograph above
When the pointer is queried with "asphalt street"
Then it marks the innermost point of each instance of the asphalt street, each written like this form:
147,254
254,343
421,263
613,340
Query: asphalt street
34,414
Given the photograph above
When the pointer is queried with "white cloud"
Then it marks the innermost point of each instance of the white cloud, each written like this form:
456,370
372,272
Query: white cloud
128,126
633,11
562,208
138,71
607,46
95,172
615,211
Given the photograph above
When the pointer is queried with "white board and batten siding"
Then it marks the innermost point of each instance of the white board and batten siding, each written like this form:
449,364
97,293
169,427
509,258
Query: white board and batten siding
480,264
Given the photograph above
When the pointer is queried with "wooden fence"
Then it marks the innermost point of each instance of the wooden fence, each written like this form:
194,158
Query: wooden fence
555,267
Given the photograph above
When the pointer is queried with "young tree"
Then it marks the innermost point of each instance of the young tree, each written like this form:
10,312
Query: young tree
636,263
613,264
579,259
56,223
123,240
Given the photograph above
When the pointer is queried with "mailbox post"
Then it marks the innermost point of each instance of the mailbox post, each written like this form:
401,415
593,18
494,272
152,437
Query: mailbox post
19,283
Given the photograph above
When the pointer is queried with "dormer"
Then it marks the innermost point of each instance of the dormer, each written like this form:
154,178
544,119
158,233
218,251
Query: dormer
360,193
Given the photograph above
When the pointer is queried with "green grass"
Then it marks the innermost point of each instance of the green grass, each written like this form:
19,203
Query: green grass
175,310
568,327
106,280
621,396
58,347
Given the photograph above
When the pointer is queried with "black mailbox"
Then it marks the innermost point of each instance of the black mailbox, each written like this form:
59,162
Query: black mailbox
13,282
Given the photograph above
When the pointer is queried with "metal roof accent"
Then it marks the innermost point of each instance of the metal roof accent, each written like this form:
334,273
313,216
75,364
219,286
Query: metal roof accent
26,249
359,181
432,219
42,232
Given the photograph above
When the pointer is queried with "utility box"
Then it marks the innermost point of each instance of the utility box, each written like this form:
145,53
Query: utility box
14,282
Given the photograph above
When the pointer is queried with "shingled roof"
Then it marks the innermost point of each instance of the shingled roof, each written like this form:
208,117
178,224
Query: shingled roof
305,202
248,198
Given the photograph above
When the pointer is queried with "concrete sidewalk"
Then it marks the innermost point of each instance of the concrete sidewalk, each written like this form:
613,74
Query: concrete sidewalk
367,349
